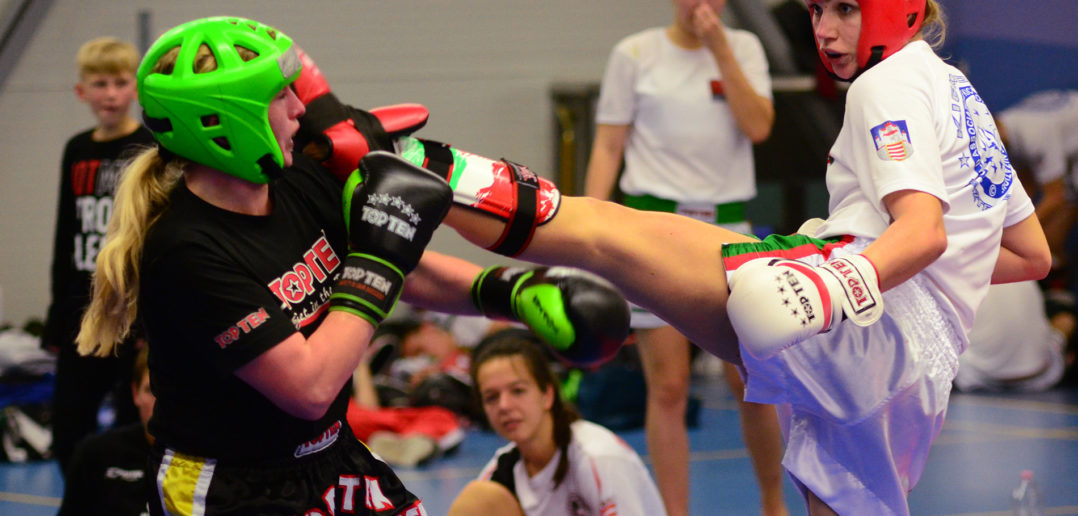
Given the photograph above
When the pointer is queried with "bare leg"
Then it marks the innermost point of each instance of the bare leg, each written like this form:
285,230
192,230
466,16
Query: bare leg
665,355
669,264
485,498
763,438
818,508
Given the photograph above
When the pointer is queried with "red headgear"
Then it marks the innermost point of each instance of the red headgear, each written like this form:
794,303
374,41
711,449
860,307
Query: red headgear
886,26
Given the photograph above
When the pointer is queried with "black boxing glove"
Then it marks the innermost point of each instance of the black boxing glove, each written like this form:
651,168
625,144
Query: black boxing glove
582,317
391,209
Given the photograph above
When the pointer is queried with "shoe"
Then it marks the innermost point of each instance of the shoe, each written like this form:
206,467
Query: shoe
406,451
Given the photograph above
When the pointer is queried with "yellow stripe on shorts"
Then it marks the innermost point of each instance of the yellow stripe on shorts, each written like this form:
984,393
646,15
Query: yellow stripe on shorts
182,483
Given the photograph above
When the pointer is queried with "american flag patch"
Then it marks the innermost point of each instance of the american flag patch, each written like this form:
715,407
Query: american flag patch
892,140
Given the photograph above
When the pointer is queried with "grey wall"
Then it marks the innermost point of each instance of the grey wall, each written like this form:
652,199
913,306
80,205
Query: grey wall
483,67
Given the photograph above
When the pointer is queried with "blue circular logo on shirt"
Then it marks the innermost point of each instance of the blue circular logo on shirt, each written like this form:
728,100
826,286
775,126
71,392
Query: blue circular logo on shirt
994,172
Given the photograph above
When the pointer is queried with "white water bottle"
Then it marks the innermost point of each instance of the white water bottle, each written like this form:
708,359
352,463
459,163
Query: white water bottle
1026,499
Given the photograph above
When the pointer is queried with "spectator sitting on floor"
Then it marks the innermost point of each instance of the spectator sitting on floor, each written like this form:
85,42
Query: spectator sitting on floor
416,362
1016,344
555,463
412,395
400,435
107,470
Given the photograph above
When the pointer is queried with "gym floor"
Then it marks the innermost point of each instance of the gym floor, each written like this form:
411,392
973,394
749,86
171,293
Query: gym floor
987,441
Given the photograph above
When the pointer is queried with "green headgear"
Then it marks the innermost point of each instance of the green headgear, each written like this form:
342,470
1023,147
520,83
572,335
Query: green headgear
219,118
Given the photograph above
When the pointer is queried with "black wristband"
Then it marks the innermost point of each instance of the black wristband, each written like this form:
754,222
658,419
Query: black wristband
367,286
521,225
492,291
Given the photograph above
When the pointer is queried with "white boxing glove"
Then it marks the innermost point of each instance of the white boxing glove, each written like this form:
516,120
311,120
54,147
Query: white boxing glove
775,303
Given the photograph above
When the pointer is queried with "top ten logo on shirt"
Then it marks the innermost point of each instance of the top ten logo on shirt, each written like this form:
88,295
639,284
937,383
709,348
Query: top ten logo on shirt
892,140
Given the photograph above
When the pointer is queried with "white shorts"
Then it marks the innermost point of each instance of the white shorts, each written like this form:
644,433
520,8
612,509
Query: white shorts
860,406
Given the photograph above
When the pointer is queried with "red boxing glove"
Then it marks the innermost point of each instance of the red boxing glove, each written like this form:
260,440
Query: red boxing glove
339,135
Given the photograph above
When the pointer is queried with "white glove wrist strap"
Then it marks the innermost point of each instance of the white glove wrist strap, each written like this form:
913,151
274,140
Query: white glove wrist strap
862,301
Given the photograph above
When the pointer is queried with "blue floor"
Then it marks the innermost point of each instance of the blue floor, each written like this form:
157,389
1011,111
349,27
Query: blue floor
986,442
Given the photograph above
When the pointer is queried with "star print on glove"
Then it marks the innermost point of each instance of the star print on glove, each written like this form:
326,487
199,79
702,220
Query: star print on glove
402,206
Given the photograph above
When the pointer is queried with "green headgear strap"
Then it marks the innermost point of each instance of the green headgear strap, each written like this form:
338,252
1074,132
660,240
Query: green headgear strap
219,118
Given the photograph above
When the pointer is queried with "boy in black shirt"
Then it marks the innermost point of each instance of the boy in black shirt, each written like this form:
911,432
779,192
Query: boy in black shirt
91,164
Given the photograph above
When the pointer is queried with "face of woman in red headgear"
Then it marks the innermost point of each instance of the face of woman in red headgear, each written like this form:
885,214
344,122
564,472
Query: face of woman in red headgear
837,26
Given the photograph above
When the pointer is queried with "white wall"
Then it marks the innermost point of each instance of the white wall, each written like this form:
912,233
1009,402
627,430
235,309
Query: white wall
483,67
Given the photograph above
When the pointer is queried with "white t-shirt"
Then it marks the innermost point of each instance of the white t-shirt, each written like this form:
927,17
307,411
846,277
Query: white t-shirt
913,122
605,476
684,144
1043,133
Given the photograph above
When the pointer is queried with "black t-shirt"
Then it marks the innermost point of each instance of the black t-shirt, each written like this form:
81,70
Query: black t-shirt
219,288
107,474
88,177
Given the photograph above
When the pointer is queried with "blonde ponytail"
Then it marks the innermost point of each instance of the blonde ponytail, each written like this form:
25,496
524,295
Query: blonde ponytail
141,198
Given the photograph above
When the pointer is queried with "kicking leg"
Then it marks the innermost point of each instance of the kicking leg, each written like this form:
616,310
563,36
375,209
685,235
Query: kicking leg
669,264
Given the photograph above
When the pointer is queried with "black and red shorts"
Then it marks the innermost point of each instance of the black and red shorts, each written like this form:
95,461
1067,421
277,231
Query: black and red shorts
336,474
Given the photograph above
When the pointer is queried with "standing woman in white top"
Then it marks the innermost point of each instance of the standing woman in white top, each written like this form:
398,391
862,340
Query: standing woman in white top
924,207
682,105
555,464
